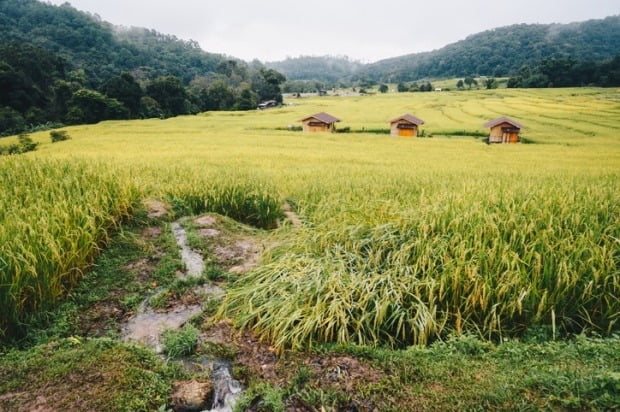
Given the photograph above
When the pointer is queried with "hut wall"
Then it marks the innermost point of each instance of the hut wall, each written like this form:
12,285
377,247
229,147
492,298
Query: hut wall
497,134
408,132
322,127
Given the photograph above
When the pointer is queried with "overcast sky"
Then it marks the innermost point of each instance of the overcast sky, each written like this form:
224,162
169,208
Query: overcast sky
361,29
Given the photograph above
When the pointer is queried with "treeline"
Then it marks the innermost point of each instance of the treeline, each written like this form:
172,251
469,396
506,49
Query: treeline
62,66
567,72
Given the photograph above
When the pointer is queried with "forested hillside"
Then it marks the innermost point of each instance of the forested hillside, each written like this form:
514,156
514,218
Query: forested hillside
498,52
304,72
503,51
61,65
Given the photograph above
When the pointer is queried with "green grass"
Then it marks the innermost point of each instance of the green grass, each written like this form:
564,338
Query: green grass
463,373
182,342
111,376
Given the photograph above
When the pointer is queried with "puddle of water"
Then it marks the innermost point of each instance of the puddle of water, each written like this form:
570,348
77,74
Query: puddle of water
147,326
193,261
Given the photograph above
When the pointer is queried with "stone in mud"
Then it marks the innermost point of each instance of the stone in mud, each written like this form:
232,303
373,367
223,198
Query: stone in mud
156,209
209,232
205,221
238,257
152,232
191,395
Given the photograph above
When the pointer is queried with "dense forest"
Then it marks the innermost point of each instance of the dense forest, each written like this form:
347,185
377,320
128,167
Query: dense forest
567,72
59,65
498,52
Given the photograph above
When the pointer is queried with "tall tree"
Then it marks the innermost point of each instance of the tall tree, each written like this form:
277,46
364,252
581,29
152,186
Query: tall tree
170,93
125,89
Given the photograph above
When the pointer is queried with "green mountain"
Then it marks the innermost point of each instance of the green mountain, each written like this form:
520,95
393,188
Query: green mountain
320,68
498,52
59,65
102,50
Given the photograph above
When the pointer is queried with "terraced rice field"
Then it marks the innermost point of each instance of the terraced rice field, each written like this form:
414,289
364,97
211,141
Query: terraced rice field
403,240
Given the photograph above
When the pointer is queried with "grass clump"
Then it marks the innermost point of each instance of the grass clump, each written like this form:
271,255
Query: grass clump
247,201
182,342
262,397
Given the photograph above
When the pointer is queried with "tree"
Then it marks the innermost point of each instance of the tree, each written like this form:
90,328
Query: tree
459,84
491,83
126,90
170,93
469,81
383,88
402,87
89,106
11,121
266,83
247,100
218,96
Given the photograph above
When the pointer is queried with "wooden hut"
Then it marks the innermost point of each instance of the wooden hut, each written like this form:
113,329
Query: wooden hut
320,122
504,130
405,126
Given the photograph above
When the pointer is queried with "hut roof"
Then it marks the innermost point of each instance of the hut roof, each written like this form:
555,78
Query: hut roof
500,120
323,117
409,118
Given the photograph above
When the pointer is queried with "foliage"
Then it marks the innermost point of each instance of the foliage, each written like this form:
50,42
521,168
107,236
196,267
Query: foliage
89,106
59,136
25,144
567,72
497,52
180,342
262,397
324,69
170,94
126,90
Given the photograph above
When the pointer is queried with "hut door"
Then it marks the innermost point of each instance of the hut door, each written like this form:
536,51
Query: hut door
510,135
405,132
514,137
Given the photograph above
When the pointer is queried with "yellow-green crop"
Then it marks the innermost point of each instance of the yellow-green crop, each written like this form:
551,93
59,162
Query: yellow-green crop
403,240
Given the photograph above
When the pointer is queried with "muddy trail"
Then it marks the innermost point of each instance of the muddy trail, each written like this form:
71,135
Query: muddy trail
213,388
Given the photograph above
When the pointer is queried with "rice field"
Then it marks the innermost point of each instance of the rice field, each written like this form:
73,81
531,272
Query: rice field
403,241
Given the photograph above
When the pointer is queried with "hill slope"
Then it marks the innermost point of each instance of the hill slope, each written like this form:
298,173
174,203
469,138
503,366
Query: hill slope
321,68
497,52
99,48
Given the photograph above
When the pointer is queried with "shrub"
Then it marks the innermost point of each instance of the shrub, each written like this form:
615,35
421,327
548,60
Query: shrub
59,135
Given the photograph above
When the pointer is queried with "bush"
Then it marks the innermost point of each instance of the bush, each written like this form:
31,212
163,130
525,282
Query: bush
25,145
59,135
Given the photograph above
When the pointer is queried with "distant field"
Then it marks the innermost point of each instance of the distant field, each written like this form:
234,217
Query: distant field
403,241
